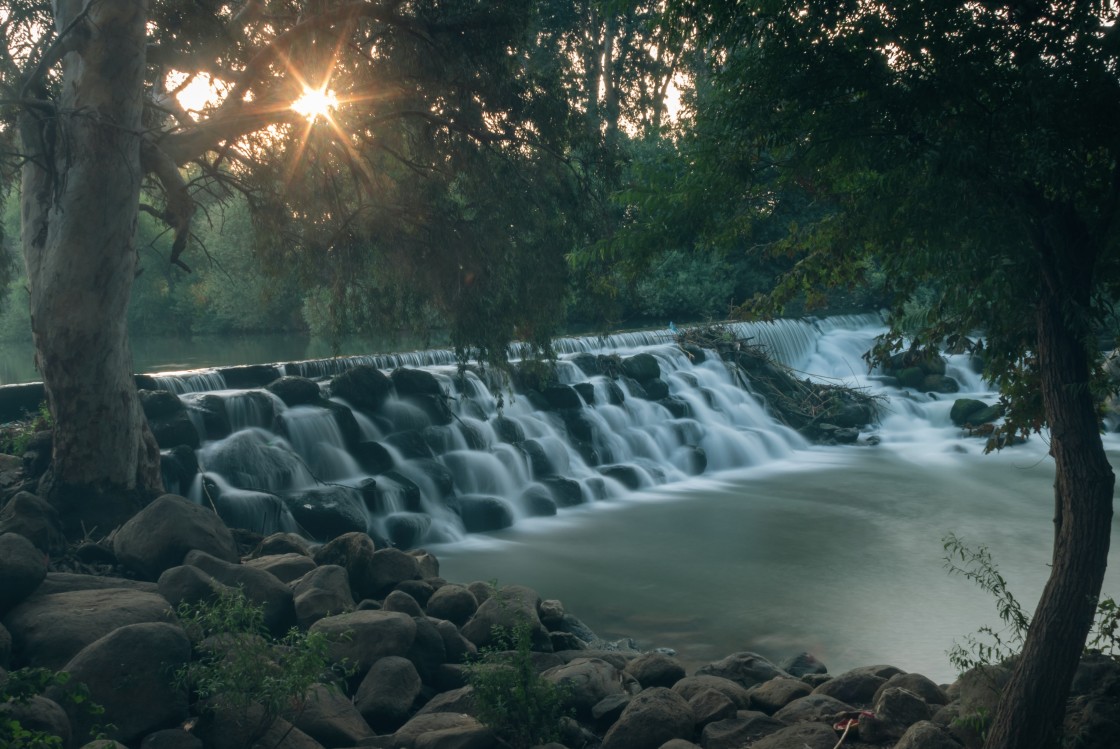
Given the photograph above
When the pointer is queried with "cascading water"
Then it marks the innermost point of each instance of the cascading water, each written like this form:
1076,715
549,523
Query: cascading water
437,456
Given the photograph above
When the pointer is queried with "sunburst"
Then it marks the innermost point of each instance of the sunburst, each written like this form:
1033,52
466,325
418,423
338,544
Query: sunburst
316,103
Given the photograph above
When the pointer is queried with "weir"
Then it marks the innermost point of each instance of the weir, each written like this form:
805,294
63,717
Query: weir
411,451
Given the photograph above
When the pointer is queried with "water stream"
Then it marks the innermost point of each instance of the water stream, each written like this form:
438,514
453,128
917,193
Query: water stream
687,518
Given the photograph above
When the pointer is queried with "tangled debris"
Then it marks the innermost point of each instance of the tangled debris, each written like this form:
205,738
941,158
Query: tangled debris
819,411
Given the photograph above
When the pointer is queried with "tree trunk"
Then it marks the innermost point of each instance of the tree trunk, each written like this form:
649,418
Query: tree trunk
79,210
1033,703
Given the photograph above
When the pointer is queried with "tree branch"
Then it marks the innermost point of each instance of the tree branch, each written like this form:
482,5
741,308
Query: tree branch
180,206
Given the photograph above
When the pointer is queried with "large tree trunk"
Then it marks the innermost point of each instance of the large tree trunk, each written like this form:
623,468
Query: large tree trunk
79,210
1034,701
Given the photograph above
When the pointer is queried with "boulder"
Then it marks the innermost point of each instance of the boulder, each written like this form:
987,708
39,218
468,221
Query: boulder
168,419
802,736
585,682
328,510
35,519
745,668
259,586
22,568
388,569
856,687
482,513
919,685
331,718
5,648
815,707
460,700
452,602
710,706
771,696
405,530
456,648
387,692
49,630
409,735
510,606
420,590
978,689
159,536
655,670
296,391
690,686
654,716
354,553
739,731
641,367
895,711
925,735
415,382
400,601
320,593
281,543
226,728
363,637
286,568
130,672
65,582
364,387
39,713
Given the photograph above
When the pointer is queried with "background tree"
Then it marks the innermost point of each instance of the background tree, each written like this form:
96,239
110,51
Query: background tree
444,112
970,146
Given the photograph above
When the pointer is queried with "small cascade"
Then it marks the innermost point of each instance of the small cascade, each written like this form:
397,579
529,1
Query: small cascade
419,454
189,382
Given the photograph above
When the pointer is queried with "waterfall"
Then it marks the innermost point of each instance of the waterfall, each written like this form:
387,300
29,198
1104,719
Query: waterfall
437,455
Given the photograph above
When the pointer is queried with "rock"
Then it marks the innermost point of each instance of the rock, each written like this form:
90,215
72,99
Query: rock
49,630
415,382
400,601
459,700
39,714
353,552
364,387
771,696
363,637
388,569
854,687
286,568
482,513
656,670
226,728
744,668
709,706
35,519
452,602
895,711
65,582
690,686
420,590
585,682
654,716
281,543
407,529
327,511
296,391
457,649
978,689
815,707
386,694
509,606
607,710
159,536
171,738
641,367
259,587
5,648
22,568
427,652
918,684
408,735
925,735
458,738
168,419
322,592
739,731
130,672
802,736
330,718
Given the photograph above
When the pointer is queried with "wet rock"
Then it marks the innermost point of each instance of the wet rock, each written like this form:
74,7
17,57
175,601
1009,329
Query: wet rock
36,520
896,710
330,718
739,731
327,511
926,735
452,602
258,586
586,681
284,567
282,543
364,387
363,637
710,706
854,687
641,367
168,419
803,736
815,707
404,603
690,686
918,684
505,609
323,592
803,663
353,552
655,670
771,696
386,694
296,391
745,668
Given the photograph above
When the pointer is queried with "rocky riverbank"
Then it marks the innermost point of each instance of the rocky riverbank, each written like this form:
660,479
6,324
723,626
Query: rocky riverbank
407,637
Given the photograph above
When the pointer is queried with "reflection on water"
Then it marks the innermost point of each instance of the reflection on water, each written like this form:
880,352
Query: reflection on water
17,360
840,555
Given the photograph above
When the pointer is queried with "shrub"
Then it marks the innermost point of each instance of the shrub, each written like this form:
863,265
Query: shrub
24,684
512,698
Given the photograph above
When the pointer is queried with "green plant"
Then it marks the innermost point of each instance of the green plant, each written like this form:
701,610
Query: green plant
20,687
998,646
241,668
16,435
977,722
512,698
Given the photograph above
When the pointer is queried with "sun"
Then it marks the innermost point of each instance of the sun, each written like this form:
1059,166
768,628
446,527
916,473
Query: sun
315,103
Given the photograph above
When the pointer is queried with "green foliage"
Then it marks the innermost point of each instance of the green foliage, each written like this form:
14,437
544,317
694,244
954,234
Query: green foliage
240,666
977,722
996,646
15,436
20,686
513,700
